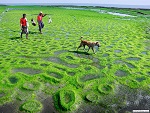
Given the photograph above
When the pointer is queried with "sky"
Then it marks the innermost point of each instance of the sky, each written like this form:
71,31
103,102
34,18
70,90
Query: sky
122,2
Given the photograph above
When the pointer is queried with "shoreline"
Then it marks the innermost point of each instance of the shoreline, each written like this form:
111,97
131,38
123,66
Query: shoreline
117,6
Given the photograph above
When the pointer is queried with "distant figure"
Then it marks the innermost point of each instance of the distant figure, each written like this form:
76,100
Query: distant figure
24,26
39,20
33,22
49,20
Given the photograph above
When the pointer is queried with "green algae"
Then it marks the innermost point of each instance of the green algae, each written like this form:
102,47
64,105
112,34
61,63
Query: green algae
32,106
49,62
67,99
92,97
34,85
13,80
105,88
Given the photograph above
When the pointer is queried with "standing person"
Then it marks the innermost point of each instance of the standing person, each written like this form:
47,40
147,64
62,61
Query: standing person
49,20
39,20
24,25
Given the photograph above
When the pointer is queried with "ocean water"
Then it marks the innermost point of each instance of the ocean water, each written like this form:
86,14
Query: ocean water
82,4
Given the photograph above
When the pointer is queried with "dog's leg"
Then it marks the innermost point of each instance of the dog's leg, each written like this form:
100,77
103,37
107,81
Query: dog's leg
88,49
84,47
93,50
79,47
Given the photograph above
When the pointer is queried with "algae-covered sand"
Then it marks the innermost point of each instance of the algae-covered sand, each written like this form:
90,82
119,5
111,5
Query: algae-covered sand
46,74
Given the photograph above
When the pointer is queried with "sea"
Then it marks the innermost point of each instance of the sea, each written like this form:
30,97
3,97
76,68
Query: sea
82,4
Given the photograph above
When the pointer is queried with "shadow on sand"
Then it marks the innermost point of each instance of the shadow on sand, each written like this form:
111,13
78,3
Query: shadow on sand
31,32
14,38
79,52
14,30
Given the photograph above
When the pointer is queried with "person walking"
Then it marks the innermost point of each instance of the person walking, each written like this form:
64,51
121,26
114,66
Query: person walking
24,26
40,22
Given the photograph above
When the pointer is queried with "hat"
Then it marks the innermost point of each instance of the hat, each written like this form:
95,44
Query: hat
40,11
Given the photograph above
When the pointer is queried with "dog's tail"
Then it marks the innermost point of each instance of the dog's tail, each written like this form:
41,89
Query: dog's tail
81,38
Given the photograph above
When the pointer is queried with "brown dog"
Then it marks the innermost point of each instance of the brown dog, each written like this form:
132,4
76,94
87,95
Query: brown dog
89,44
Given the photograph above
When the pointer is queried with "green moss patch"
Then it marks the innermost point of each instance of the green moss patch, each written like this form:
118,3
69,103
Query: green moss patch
34,85
48,78
34,63
44,65
32,106
67,99
93,97
23,96
56,75
2,94
64,99
105,88
147,66
132,83
13,79
69,57
89,77
5,96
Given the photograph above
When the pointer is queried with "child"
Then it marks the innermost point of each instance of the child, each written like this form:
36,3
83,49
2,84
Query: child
33,22
49,20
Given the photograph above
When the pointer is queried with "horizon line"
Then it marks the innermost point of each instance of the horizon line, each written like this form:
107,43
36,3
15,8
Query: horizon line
82,4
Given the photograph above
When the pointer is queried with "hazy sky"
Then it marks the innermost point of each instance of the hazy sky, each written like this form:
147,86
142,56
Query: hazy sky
123,2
